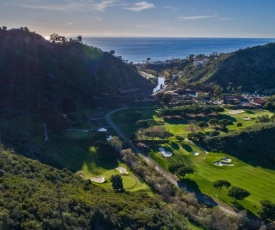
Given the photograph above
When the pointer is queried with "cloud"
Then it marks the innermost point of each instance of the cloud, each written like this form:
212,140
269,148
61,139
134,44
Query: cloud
196,17
139,6
103,5
224,18
57,7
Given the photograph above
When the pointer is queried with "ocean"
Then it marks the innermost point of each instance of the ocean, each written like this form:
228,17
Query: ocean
161,49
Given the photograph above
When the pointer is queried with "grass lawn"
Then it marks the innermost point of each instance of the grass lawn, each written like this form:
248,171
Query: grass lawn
74,149
260,182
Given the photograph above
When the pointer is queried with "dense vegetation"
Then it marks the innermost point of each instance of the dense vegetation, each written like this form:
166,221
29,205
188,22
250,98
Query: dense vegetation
36,196
47,83
40,77
253,144
252,69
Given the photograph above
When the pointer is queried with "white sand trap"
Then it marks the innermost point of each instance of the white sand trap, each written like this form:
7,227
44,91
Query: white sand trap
102,130
234,112
228,164
226,160
217,163
98,179
122,170
164,153
246,118
223,163
196,153
167,154
109,138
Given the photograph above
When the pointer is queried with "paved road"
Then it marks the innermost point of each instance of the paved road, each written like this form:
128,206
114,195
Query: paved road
170,177
163,172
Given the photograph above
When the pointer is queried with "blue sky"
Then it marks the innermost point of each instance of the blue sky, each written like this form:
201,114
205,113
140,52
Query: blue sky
155,18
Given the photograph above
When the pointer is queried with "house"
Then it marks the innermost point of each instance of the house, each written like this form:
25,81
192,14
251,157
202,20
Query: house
257,102
198,63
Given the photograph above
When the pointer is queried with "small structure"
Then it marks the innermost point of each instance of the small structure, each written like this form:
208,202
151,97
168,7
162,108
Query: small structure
257,102
198,63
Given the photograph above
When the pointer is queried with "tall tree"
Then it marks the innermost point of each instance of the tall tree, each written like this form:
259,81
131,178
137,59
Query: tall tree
182,171
214,122
238,193
202,124
79,38
221,183
217,90
267,211
117,184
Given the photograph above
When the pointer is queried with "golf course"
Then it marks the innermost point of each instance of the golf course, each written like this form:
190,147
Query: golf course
258,181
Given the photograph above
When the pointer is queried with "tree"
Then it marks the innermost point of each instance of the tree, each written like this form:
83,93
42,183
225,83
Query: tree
217,90
238,193
173,168
239,89
221,183
214,122
267,211
224,122
79,38
239,124
202,124
117,184
182,171
4,27
116,143
112,52
166,98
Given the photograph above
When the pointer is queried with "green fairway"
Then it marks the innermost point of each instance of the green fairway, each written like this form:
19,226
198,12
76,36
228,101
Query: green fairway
260,182
76,153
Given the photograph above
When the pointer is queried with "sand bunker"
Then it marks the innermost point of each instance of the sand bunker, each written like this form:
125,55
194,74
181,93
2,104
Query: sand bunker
226,160
122,170
164,153
102,130
109,138
98,179
234,112
246,118
196,153
223,162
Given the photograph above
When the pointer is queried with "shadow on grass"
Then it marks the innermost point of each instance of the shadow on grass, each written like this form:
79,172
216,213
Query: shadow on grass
227,117
249,112
175,121
191,186
74,154
238,207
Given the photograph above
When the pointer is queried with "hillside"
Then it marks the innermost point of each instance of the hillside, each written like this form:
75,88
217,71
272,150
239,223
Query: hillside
252,68
45,198
253,144
38,75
